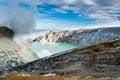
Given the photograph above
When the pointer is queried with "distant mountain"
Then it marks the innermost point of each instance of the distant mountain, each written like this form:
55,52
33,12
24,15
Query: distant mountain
99,60
12,54
81,37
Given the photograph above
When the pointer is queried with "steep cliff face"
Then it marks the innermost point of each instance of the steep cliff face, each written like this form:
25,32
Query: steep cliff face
11,52
99,60
81,37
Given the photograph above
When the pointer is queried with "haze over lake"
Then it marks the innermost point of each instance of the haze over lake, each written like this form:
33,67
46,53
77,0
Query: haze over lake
47,49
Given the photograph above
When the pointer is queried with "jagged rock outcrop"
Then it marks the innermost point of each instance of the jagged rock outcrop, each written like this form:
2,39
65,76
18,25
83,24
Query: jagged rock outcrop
99,60
81,37
11,54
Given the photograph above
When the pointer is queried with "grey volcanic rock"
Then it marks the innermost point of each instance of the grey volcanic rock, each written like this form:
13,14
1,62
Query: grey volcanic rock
5,32
8,49
26,53
99,60
11,52
81,37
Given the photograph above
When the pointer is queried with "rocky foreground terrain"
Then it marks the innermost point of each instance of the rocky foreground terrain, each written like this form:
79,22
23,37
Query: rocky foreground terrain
12,54
81,37
99,60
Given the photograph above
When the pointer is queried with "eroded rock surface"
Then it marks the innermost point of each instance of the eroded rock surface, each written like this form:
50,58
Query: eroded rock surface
99,60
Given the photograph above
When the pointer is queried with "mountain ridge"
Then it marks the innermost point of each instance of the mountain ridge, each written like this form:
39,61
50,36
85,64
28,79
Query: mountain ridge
80,37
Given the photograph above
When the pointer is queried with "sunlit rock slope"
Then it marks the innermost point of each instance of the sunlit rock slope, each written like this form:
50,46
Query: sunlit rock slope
81,37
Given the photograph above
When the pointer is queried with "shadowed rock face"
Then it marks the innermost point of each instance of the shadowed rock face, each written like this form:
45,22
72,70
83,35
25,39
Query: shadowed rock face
81,37
11,54
100,60
6,32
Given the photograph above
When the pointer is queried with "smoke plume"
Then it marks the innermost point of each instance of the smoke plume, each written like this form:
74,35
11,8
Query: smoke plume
13,16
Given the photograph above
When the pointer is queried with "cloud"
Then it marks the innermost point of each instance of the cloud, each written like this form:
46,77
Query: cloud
104,11
16,17
99,9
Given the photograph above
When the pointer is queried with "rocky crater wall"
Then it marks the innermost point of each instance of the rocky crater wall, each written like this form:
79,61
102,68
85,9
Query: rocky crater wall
100,59
81,37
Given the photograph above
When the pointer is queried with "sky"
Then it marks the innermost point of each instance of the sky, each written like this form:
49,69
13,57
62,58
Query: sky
64,14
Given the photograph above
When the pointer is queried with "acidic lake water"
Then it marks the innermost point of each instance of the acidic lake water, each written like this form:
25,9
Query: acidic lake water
47,49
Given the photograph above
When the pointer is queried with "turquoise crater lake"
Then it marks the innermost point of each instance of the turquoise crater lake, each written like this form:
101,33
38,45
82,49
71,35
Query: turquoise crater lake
47,49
